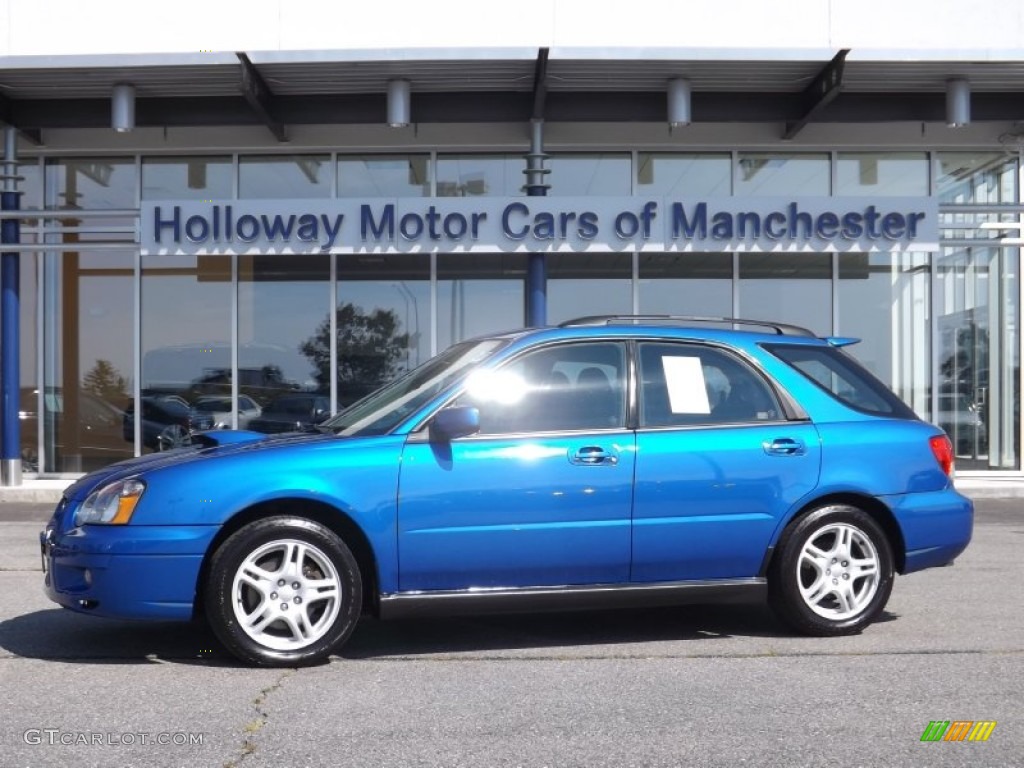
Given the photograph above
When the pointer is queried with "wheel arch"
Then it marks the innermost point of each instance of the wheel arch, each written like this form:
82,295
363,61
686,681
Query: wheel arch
869,504
327,515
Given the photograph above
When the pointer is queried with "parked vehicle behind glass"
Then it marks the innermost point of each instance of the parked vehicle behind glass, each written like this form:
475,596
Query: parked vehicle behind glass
167,422
219,409
292,413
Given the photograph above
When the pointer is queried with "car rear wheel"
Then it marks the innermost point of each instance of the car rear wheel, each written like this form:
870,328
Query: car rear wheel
283,591
833,572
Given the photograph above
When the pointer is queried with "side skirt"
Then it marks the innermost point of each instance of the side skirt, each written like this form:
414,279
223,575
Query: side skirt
400,605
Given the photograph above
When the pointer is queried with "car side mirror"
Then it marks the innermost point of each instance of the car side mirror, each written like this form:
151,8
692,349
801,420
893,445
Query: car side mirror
457,421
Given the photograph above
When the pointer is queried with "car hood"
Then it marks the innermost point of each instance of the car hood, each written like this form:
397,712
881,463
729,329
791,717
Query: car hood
207,445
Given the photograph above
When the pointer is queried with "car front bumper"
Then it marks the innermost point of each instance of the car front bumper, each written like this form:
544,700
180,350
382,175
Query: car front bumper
124,571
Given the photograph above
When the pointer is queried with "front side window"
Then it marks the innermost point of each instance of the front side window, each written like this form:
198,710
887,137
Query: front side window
568,387
383,410
688,384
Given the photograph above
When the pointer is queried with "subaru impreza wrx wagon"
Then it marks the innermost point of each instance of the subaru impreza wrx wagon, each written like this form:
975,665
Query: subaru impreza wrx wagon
611,461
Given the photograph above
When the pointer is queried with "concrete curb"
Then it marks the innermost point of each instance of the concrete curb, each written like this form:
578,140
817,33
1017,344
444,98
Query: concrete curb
35,492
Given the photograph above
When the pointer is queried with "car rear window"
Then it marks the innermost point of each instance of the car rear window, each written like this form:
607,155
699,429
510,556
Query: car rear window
844,378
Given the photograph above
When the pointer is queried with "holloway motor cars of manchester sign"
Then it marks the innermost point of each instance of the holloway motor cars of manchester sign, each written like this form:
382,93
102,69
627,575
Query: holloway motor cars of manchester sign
532,224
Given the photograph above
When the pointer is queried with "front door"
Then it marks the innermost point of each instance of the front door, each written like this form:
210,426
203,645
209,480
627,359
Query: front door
542,495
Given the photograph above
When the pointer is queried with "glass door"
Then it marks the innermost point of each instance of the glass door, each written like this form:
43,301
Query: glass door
978,396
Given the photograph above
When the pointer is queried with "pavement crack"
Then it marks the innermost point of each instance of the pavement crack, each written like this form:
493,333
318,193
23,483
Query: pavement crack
254,726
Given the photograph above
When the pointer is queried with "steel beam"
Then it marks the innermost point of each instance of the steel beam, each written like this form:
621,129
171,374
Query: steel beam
540,84
259,97
820,93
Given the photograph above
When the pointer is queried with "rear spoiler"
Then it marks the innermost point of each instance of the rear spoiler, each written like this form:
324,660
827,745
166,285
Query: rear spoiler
841,341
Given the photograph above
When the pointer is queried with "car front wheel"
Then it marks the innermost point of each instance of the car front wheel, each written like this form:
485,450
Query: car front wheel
833,572
283,591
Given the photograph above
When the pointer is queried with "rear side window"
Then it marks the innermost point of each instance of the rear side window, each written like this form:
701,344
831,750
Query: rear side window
844,378
688,384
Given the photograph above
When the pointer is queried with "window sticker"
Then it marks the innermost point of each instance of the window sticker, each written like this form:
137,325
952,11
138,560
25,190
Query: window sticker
684,377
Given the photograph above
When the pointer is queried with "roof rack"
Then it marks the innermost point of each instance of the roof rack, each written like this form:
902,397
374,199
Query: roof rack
782,329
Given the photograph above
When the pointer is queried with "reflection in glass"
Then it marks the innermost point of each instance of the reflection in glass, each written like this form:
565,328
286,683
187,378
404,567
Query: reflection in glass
976,177
186,345
87,375
686,284
776,174
281,302
978,346
87,333
478,294
186,178
383,323
672,175
384,176
606,173
581,284
480,175
90,182
882,174
31,186
791,288
284,176
884,301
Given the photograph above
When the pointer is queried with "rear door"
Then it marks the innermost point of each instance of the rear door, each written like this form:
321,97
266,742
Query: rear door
718,464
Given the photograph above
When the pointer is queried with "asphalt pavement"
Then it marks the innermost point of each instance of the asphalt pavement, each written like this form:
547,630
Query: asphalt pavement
695,686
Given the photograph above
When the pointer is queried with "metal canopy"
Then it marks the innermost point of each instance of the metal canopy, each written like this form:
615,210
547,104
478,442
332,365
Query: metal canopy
278,91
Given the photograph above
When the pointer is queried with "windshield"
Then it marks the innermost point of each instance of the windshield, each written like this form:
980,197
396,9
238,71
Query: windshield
385,409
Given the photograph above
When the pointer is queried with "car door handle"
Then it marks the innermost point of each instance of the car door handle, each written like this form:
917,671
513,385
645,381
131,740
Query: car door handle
592,455
784,446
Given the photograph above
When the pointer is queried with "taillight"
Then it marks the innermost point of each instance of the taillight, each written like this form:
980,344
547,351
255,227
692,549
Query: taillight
943,450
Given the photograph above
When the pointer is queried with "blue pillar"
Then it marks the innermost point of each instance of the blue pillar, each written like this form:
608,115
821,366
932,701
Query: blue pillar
536,266
10,315
536,291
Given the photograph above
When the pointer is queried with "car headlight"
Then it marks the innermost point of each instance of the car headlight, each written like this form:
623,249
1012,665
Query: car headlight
113,504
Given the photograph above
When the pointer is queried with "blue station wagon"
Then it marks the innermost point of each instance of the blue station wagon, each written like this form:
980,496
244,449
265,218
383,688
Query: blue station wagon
611,461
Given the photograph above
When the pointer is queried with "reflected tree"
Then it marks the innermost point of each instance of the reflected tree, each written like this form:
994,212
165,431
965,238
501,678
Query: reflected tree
106,382
370,351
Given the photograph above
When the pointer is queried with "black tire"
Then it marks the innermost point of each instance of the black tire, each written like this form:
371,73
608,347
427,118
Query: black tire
831,595
319,557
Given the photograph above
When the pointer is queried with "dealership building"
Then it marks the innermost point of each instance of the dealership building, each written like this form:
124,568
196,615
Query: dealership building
243,208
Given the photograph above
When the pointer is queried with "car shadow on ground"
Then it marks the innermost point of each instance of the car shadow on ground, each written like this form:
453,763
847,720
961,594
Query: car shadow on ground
63,636
60,635
496,634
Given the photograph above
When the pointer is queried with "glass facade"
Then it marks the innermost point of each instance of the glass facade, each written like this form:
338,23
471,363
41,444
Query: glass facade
261,340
